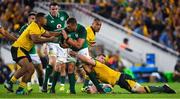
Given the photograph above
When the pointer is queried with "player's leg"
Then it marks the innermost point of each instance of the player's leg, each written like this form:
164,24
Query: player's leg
26,77
49,68
62,78
40,74
89,72
71,76
55,77
128,83
22,58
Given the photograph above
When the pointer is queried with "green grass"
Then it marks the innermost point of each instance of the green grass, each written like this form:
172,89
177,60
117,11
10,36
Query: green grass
121,93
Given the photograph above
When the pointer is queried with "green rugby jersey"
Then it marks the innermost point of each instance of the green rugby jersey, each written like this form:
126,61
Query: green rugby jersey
79,33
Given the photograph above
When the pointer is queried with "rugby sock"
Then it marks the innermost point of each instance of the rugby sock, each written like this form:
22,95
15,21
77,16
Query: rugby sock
22,85
72,82
55,78
40,79
86,82
92,76
47,74
62,79
13,80
151,89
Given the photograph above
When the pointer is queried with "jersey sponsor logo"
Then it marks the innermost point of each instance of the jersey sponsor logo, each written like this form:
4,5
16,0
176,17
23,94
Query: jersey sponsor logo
58,26
62,18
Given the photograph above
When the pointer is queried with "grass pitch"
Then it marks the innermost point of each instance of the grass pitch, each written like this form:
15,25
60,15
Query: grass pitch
119,93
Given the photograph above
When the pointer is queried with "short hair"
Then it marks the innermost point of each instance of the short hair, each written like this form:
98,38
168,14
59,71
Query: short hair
32,13
97,19
72,21
125,40
102,55
53,4
40,14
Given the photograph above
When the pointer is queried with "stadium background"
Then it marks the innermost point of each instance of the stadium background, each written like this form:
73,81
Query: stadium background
151,26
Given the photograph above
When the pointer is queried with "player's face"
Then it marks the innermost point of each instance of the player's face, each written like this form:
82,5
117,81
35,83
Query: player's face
72,27
43,20
31,18
96,26
54,10
101,59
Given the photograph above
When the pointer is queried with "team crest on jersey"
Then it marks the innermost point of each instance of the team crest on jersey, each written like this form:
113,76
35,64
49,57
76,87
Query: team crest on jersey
52,21
76,35
62,18
58,26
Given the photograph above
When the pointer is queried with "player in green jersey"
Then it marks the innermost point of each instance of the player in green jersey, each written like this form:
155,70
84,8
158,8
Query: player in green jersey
57,56
75,37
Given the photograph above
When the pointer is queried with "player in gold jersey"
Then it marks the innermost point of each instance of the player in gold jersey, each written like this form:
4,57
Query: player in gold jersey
110,76
33,34
91,39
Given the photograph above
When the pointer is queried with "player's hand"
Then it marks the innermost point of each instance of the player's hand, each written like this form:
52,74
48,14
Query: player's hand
2,30
65,36
72,53
64,45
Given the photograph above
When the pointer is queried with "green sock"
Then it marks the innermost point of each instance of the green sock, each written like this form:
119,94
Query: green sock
151,89
72,82
40,79
92,77
86,82
55,78
47,74
62,79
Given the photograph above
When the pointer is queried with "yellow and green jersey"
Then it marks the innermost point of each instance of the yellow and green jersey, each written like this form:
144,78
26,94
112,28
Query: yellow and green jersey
33,49
24,40
91,36
106,74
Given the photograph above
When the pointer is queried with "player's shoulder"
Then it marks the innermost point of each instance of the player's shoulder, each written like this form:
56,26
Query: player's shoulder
33,25
62,12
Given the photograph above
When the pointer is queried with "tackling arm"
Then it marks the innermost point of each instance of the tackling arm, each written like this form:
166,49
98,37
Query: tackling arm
7,34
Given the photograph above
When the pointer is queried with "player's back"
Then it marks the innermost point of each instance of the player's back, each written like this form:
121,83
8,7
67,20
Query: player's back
106,74
24,39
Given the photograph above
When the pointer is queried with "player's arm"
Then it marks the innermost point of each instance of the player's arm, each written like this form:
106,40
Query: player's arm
83,58
49,34
40,39
7,35
75,43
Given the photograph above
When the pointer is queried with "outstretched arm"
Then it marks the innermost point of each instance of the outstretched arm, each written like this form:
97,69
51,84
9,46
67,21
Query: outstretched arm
7,35
83,58
49,34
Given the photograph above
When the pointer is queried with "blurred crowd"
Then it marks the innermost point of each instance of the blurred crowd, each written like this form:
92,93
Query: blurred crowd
155,19
13,13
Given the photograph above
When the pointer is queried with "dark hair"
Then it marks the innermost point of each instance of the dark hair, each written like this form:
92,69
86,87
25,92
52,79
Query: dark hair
40,14
72,21
32,13
97,19
102,55
125,40
53,4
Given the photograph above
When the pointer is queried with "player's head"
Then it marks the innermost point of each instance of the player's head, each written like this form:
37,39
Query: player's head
101,58
96,25
31,17
71,24
54,8
40,18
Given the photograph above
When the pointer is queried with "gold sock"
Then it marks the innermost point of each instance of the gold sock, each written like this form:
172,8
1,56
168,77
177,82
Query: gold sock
13,79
